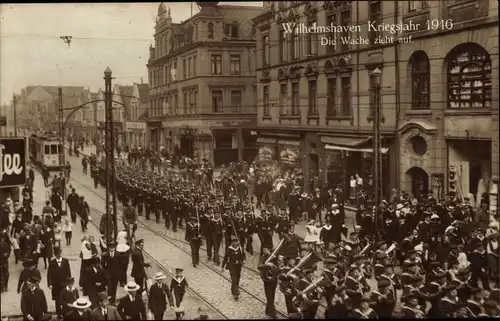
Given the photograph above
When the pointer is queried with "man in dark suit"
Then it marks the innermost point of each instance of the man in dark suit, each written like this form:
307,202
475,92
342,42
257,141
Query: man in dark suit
105,311
33,301
80,311
157,299
57,275
111,263
68,296
131,307
96,281
139,267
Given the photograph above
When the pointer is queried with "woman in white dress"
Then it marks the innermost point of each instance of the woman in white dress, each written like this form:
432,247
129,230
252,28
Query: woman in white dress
312,234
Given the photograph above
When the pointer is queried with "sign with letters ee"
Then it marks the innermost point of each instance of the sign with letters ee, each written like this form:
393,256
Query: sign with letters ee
12,162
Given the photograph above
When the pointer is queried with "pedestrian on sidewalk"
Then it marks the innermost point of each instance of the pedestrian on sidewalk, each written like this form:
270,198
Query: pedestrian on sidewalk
68,231
33,302
57,275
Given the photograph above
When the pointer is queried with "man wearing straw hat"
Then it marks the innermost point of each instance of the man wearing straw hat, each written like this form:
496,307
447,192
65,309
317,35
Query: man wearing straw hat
158,295
81,310
131,306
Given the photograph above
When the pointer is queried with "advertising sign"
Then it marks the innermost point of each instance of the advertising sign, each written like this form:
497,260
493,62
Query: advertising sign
12,162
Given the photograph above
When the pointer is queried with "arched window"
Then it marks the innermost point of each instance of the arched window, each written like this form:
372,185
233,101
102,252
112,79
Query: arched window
420,76
210,27
469,77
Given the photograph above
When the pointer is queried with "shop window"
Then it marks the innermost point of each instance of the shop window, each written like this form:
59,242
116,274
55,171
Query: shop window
420,76
469,77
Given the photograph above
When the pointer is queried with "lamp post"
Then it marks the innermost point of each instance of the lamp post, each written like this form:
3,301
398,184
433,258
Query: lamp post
110,158
376,75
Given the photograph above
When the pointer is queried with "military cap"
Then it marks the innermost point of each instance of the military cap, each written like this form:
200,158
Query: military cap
34,279
29,263
233,238
310,269
490,304
383,283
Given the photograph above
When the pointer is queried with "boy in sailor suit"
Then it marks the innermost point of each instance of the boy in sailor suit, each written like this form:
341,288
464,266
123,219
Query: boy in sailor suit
178,286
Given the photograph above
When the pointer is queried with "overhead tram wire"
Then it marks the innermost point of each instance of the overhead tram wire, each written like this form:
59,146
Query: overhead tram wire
339,54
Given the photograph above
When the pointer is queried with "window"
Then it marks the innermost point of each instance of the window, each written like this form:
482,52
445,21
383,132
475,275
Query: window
186,102
282,46
47,149
332,21
265,95
345,18
210,27
235,65
189,67
420,76
234,31
236,101
216,64
53,149
254,95
345,83
313,108
265,52
295,99
195,102
295,45
194,66
312,41
184,69
469,77
411,5
424,4
217,104
375,17
283,99
176,101
331,98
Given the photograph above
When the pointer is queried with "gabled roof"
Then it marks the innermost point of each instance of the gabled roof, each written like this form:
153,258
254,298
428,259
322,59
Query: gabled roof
54,90
126,93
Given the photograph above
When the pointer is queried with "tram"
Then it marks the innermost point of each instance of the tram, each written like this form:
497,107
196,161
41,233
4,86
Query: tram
45,150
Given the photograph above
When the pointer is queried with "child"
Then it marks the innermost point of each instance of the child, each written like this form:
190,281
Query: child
178,286
57,236
68,231
15,246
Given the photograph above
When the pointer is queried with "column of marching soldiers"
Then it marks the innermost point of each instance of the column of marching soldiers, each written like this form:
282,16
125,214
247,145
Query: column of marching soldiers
431,258
440,253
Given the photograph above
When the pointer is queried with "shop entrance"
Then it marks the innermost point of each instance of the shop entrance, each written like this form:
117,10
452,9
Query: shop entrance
419,181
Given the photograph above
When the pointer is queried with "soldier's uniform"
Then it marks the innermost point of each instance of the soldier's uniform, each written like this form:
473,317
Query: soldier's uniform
193,236
205,222
233,261
265,229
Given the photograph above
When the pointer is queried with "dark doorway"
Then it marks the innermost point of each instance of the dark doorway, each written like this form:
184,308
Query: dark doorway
419,181
187,145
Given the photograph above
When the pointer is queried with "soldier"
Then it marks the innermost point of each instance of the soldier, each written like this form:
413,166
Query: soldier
265,230
250,219
148,204
233,261
112,266
178,286
241,227
194,238
206,227
291,246
139,266
165,208
157,206
269,273
217,230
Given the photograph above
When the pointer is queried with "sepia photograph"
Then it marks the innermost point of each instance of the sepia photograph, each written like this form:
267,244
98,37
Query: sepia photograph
249,160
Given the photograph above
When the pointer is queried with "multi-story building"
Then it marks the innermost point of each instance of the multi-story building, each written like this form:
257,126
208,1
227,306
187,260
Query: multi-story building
121,97
136,124
435,94
202,83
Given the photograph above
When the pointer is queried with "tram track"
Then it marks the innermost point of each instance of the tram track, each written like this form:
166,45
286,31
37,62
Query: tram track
181,245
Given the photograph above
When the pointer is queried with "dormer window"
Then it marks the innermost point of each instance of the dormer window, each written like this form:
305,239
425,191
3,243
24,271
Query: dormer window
234,30
231,30
210,27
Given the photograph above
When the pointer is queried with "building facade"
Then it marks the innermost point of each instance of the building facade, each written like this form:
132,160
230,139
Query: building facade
316,102
121,97
202,84
136,124
448,120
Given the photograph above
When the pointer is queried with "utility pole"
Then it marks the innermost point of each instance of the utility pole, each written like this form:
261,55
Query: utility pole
110,159
376,149
15,113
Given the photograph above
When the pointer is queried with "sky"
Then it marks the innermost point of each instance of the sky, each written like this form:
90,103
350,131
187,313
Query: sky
117,35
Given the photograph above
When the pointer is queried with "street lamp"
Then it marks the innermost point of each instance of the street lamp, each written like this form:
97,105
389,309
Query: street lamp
110,158
376,75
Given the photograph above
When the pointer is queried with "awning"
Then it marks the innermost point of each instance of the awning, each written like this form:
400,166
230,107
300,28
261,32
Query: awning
264,140
349,149
343,141
289,142
349,144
